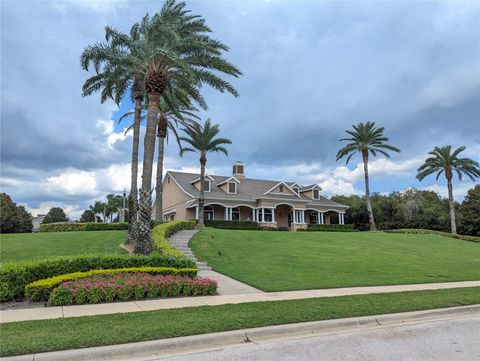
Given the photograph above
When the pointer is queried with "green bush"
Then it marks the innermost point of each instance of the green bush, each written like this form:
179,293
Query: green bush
164,230
40,290
428,231
15,276
329,228
78,226
62,227
245,225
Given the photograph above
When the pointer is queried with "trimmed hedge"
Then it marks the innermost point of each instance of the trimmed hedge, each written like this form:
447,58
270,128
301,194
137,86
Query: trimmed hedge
164,230
428,231
329,228
78,226
245,225
40,290
15,276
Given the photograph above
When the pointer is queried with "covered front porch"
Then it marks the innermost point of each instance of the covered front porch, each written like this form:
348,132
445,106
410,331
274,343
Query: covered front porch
284,216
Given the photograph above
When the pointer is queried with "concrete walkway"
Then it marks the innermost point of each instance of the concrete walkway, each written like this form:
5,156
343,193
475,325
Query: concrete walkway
226,285
159,304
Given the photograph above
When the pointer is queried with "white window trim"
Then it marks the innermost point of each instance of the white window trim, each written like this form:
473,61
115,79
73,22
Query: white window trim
228,187
209,185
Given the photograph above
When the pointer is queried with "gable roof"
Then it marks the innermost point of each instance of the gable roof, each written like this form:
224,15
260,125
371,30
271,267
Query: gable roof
249,190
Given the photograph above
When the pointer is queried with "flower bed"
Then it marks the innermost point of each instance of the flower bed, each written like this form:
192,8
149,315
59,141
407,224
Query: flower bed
126,286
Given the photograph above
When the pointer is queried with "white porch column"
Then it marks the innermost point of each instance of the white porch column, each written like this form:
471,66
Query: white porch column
302,216
226,214
196,212
322,218
230,216
273,214
263,215
318,218
342,218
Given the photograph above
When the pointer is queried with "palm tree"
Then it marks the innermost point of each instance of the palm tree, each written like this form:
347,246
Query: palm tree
98,207
202,140
366,139
442,160
175,51
114,77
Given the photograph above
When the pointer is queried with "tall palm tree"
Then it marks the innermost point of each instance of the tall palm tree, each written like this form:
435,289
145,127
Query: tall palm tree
168,119
366,139
114,77
443,160
98,207
202,140
175,51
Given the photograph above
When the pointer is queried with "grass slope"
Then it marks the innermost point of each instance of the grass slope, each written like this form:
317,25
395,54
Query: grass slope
26,246
77,332
279,261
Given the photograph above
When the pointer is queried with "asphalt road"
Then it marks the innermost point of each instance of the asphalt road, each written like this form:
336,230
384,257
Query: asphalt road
451,340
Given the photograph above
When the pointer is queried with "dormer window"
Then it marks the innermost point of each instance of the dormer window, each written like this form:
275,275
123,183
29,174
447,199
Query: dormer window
296,189
206,185
316,194
232,187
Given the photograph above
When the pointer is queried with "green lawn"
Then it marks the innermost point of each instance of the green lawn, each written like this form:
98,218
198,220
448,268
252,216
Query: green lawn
77,332
279,261
26,246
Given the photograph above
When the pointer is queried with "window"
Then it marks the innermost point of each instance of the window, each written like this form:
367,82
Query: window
267,215
206,185
232,187
172,217
296,190
313,217
280,188
316,194
208,213
235,214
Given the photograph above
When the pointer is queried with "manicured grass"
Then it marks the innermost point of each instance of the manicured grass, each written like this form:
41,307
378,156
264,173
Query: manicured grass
279,261
59,334
26,246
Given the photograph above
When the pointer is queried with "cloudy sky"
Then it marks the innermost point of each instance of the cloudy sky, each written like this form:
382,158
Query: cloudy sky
311,70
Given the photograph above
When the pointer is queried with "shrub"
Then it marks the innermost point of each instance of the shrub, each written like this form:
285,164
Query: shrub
78,226
40,290
125,286
428,231
246,225
329,228
16,275
164,230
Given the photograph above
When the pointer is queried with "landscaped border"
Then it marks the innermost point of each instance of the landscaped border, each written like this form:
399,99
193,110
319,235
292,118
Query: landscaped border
428,231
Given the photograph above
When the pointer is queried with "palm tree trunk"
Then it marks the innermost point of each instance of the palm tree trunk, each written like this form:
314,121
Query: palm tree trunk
451,205
159,185
162,133
367,192
144,245
201,200
132,198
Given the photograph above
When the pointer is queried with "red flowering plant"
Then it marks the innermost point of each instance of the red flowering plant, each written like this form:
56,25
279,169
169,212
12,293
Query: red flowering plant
125,286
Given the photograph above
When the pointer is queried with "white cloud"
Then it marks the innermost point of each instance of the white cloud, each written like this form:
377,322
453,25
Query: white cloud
72,211
459,190
107,127
73,182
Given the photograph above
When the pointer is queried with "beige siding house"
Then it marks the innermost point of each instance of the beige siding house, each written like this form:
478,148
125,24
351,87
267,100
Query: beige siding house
270,203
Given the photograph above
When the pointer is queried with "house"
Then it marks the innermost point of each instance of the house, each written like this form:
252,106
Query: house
37,221
270,203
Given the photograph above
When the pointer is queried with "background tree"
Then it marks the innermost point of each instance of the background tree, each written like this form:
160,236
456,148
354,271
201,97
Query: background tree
114,205
470,211
99,207
13,218
87,216
202,140
366,139
443,160
55,214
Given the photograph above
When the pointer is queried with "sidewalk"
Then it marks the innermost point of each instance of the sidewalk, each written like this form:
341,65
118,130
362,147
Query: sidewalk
159,304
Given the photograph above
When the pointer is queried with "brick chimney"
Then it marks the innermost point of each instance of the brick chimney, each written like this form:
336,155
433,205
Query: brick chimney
239,170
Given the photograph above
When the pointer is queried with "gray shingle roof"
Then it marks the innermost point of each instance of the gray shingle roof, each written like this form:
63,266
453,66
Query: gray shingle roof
249,190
